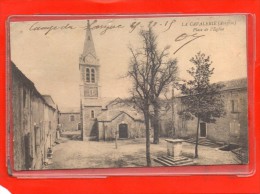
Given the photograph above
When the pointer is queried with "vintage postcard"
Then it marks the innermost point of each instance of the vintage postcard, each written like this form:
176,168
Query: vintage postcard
129,92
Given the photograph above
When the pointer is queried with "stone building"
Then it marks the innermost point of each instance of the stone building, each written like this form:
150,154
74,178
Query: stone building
121,119
229,129
100,120
34,123
70,119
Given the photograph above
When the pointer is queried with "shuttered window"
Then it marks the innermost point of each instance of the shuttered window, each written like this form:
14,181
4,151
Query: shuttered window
93,76
234,106
87,75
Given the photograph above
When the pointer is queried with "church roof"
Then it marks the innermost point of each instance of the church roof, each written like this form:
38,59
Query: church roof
103,102
89,53
118,100
110,115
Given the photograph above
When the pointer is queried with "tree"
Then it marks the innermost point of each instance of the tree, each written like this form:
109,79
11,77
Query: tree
164,73
151,72
201,99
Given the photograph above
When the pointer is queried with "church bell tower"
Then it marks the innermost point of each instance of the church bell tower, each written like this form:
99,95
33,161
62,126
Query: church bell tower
89,88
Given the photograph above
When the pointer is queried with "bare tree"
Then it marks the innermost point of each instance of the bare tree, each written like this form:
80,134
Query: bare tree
201,99
151,72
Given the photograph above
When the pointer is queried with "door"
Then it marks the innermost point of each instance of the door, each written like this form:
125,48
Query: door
203,130
27,148
123,131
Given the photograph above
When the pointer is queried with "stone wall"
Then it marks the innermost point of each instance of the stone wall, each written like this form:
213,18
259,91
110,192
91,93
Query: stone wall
34,123
67,124
90,129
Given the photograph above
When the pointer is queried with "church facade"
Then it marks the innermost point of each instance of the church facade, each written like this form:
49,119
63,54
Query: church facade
102,118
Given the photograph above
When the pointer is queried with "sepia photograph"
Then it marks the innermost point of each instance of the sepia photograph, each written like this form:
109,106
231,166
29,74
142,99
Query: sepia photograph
157,91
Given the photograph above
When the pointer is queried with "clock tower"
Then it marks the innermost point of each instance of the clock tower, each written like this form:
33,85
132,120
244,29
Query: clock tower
89,86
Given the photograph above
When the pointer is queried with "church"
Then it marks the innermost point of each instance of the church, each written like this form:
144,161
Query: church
103,118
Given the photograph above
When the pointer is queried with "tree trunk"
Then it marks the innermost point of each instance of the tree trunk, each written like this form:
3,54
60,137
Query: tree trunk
156,125
197,138
147,129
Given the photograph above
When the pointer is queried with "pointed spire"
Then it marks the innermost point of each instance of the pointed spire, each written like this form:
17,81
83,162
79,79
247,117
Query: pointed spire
89,53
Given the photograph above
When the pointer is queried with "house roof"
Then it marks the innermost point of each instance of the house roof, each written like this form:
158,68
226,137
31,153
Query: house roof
234,84
28,83
228,85
48,99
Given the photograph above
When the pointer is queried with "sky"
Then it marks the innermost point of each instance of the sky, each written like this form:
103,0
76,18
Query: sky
47,52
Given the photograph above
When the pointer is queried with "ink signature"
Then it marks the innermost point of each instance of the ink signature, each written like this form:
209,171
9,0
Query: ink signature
186,38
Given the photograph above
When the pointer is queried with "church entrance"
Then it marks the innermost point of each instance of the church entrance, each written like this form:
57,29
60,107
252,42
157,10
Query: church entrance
123,131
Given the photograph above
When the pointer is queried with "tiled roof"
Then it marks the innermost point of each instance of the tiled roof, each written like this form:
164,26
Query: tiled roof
228,85
109,115
28,83
234,84
48,99
103,102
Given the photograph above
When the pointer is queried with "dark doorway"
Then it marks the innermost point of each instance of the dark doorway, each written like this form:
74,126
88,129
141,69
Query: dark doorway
203,130
123,131
27,147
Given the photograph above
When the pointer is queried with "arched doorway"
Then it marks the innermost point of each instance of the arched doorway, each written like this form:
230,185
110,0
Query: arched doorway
123,130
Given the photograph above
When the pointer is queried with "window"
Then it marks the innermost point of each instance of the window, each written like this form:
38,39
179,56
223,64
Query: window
90,75
87,75
93,76
72,118
203,130
234,106
92,114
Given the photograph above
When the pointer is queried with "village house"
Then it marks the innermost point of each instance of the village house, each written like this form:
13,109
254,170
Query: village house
70,119
35,118
232,128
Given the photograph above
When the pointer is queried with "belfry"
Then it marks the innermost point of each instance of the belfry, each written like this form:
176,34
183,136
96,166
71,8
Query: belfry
89,85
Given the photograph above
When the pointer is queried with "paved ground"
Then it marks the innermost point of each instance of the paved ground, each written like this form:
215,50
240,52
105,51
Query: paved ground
73,153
